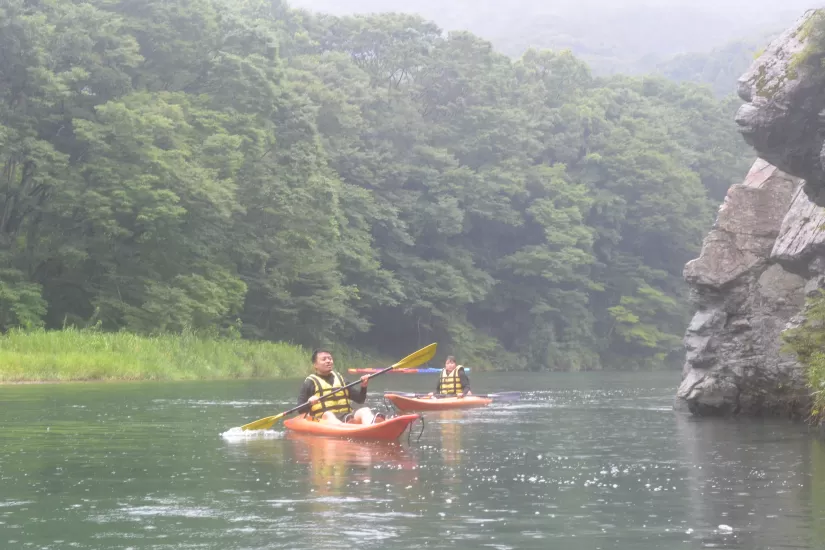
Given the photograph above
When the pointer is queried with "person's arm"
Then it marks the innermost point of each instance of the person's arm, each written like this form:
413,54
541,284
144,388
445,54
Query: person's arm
465,382
307,390
358,393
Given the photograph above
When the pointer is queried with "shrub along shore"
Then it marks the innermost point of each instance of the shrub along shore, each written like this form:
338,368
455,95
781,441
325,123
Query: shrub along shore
89,355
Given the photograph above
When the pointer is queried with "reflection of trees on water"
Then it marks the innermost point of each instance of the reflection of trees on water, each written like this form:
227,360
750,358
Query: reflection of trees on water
817,492
765,479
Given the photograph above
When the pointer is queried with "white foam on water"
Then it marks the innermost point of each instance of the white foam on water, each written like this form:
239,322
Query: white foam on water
204,402
237,434
140,513
10,503
242,530
166,511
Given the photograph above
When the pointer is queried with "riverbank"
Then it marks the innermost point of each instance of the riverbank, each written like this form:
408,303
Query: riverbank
80,355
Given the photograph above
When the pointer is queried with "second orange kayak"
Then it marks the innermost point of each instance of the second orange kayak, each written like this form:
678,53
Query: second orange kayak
388,430
403,403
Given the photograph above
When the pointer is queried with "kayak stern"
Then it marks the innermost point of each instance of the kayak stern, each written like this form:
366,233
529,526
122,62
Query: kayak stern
403,403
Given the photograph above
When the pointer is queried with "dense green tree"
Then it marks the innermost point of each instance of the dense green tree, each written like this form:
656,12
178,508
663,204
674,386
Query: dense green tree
241,166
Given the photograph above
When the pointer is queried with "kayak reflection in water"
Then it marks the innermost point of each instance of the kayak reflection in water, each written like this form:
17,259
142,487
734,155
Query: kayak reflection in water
334,463
453,380
451,445
335,409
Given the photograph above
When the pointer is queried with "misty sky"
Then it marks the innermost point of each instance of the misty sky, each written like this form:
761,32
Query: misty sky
630,29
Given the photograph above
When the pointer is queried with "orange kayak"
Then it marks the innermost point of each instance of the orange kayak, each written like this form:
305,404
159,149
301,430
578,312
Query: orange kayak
403,403
388,430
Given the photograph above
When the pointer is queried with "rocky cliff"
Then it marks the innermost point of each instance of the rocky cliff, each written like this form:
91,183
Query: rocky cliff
783,117
766,251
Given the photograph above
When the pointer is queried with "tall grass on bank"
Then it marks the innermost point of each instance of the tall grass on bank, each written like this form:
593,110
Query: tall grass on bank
92,355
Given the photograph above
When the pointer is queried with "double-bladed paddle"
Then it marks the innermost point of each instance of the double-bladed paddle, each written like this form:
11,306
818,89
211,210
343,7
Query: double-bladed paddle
413,360
503,396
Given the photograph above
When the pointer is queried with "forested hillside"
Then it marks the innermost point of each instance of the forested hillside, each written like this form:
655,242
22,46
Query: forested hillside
239,167
720,68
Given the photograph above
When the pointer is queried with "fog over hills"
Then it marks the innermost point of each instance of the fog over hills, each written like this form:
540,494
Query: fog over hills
627,36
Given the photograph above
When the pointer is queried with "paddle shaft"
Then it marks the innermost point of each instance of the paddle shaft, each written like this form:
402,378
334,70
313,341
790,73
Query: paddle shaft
413,360
338,390
333,392
502,395
265,423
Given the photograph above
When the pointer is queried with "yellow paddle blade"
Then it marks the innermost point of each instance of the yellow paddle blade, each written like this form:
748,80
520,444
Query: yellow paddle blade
418,358
263,423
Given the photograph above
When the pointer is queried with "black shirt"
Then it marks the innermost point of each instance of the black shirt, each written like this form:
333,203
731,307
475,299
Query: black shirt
357,394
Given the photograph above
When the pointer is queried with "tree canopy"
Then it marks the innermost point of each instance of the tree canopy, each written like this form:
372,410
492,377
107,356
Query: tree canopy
241,167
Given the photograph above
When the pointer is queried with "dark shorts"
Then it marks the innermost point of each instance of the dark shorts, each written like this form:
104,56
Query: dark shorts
344,417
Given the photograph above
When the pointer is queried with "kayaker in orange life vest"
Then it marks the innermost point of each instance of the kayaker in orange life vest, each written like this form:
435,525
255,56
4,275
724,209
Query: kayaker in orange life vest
453,380
335,409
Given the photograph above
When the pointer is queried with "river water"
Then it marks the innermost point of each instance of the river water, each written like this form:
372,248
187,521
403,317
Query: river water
581,462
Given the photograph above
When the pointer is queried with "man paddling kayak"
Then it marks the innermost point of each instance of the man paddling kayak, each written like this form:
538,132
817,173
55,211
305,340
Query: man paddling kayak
453,380
336,409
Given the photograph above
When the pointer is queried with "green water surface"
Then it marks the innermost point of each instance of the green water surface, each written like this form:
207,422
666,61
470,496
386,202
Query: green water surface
582,462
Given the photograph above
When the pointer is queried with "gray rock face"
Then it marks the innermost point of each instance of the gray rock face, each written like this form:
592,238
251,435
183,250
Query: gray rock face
801,238
766,252
748,283
783,117
746,227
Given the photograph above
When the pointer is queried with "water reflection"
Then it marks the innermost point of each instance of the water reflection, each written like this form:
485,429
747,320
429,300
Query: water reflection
450,423
335,463
816,491
580,463
749,482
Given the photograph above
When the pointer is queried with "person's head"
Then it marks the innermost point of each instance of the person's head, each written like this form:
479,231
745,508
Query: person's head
450,363
322,361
